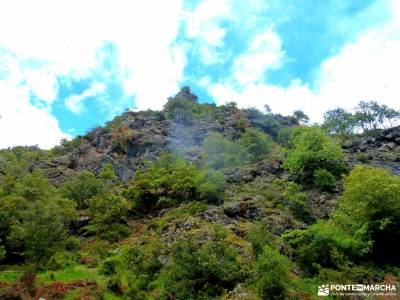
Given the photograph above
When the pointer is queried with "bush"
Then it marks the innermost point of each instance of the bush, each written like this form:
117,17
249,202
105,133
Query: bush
172,180
369,209
259,236
323,245
272,273
202,272
108,217
291,195
110,266
324,180
312,150
256,143
83,186
219,152
211,185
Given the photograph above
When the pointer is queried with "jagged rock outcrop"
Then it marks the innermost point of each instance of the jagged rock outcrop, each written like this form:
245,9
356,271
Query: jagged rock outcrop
381,150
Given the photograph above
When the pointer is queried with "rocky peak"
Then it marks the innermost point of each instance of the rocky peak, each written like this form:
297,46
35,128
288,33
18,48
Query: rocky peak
186,93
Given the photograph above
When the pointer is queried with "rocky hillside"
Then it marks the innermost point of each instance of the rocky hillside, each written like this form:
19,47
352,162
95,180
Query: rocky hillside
199,201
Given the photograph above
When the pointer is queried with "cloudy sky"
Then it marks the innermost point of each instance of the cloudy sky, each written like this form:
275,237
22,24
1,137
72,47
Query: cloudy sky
66,66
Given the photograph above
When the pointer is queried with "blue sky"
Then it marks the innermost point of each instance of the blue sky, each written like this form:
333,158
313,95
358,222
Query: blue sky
68,66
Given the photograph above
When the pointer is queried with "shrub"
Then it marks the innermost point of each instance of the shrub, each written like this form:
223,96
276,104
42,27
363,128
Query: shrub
272,273
201,272
324,180
219,152
172,180
83,186
259,236
108,217
323,245
369,209
291,195
211,185
256,143
312,150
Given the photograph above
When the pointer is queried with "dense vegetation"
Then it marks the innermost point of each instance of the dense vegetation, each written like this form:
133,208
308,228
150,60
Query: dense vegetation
221,225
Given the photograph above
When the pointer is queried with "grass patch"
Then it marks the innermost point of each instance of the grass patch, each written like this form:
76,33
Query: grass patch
10,276
70,274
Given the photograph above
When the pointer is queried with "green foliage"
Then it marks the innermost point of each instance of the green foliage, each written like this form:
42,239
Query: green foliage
324,180
210,186
272,274
369,209
366,117
323,245
40,232
291,195
67,145
82,187
259,236
107,173
202,272
219,152
172,179
300,117
283,136
109,216
312,150
180,109
256,143
2,252
269,123
339,122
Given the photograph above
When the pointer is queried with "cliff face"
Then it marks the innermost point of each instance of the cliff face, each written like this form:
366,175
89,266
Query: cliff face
136,137
381,150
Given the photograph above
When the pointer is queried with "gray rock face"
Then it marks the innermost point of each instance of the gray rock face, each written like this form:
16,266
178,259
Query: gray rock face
382,151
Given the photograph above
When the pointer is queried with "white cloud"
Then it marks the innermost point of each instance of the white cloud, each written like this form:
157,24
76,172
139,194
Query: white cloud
75,103
204,25
51,39
264,53
23,124
366,69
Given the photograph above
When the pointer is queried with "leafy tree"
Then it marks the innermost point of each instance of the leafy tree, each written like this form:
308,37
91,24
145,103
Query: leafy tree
107,174
41,230
369,209
210,186
219,152
339,122
272,273
83,186
312,150
324,179
291,195
300,117
202,272
323,245
109,216
256,143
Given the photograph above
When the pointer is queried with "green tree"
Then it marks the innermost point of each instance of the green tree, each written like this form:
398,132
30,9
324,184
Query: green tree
41,230
256,143
83,186
108,216
369,209
300,117
272,273
312,150
210,186
339,122
219,152
202,271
